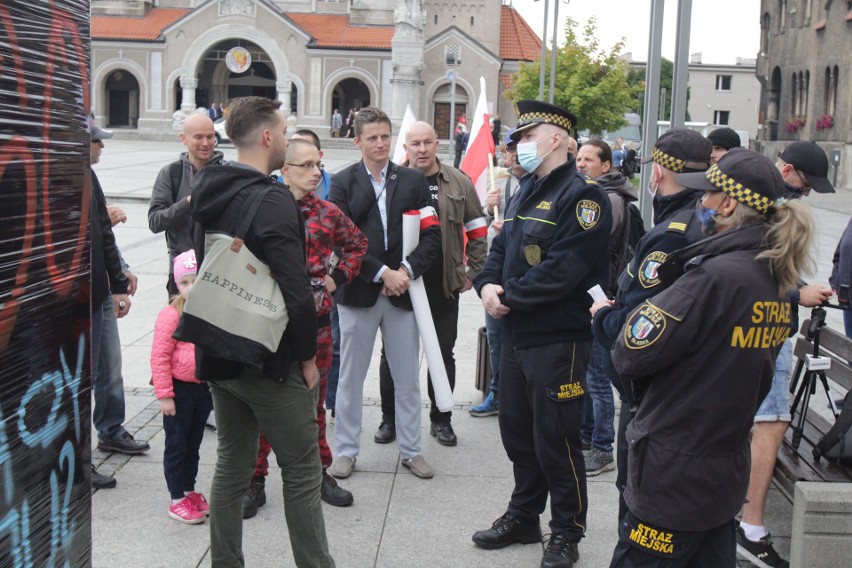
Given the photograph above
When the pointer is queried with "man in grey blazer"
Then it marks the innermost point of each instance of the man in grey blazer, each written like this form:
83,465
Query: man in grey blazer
374,193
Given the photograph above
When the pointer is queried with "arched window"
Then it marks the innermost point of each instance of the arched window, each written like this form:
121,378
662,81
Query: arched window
806,91
807,10
764,34
471,21
436,19
794,95
782,15
832,100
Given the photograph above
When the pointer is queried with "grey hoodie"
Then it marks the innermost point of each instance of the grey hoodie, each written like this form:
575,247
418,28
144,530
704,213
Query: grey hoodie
619,189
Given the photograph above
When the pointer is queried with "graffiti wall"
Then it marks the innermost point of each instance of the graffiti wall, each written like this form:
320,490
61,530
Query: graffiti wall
44,291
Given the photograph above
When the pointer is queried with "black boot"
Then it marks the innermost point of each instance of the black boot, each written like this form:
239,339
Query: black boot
255,498
507,530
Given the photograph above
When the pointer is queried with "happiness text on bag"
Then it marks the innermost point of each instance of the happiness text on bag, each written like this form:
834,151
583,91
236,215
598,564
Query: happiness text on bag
241,292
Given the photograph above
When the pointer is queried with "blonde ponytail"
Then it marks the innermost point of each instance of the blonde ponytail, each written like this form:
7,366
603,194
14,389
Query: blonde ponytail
791,228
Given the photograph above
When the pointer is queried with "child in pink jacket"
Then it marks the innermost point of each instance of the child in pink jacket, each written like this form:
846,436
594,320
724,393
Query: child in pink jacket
185,401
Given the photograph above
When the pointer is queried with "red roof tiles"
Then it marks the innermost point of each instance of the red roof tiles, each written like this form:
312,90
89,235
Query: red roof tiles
334,30
518,42
148,27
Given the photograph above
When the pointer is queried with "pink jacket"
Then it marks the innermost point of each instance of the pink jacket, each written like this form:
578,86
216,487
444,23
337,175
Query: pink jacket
170,358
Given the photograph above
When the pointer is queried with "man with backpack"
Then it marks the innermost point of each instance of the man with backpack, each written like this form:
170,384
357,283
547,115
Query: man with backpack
169,209
598,431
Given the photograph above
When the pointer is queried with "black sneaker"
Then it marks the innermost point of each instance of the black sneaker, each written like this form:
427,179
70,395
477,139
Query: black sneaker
254,499
507,530
332,493
386,433
759,553
444,432
560,553
123,444
101,481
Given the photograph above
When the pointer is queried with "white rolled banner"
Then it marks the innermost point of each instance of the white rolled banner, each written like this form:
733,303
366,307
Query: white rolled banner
423,315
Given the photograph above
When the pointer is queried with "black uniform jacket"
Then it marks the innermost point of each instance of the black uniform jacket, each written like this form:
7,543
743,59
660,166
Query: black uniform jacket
675,227
706,349
552,249
277,237
405,190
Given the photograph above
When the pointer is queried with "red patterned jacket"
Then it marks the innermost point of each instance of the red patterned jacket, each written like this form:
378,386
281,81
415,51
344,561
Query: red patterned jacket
327,229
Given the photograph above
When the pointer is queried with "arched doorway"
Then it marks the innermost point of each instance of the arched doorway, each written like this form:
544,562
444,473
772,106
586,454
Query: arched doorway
443,99
218,84
122,99
350,94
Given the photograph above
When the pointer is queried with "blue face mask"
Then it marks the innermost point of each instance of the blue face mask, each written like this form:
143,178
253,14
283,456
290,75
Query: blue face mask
707,218
528,156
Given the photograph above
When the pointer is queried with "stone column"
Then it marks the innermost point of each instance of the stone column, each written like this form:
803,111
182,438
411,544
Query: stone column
407,55
188,84
283,90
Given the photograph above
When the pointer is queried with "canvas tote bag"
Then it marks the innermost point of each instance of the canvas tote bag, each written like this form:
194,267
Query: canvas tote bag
235,309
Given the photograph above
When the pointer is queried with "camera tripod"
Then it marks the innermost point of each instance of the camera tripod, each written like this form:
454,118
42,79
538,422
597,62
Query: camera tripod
815,371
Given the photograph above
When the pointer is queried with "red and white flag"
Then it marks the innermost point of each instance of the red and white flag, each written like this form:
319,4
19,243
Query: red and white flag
480,145
399,155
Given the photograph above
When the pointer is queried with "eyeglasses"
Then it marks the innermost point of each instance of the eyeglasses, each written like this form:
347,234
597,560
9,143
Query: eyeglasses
308,166
803,179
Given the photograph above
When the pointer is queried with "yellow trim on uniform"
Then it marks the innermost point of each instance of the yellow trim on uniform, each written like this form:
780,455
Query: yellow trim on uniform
568,447
536,219
665,313
678,226
544,118
738,191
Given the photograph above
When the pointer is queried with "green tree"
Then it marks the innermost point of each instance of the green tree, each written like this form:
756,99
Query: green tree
636,79
590,82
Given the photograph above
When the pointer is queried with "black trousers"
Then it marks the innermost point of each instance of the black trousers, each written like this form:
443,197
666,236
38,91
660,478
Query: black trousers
445,315
184,432
541,404
645,545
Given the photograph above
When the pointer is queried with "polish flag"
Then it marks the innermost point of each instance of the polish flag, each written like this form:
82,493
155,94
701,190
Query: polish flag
480,145
399,155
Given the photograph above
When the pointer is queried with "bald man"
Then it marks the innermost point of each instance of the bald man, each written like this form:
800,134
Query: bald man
454,197
169,210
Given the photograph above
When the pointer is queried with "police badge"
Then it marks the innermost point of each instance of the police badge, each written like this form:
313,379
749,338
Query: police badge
533,254
588,213
648,271
644,327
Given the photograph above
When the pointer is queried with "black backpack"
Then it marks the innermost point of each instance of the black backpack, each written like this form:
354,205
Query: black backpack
632,229
836,445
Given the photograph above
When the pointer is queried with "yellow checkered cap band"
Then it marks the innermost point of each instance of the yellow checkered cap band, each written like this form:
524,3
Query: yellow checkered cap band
667,161
544,117
738,191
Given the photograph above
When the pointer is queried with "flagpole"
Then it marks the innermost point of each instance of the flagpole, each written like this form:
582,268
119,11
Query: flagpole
493,185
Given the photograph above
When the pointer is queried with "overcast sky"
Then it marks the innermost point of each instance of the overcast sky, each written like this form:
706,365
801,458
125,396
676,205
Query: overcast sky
722,30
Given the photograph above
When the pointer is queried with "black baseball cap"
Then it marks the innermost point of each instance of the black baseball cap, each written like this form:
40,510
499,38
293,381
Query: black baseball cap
532,113
726,138
810,159
748,176
681,150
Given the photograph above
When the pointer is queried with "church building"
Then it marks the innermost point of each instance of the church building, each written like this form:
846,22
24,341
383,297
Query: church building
156,60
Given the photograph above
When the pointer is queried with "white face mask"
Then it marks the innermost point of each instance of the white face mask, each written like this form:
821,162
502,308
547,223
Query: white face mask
528,157
652,189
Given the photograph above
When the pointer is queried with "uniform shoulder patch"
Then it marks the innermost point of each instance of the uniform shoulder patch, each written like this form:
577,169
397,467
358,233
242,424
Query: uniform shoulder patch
588,213
676,227
648,272
644,327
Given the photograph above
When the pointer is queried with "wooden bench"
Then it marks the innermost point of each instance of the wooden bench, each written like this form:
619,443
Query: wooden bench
821,535
800,465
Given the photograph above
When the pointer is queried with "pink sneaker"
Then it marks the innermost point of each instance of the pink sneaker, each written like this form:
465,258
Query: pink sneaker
184,512
199,502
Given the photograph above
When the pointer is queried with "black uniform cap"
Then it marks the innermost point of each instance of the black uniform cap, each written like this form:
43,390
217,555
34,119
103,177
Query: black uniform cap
681,149
726,138
810,159
748,176
532,113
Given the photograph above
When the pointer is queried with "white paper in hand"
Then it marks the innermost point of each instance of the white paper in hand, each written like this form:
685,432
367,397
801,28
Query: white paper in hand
597,293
